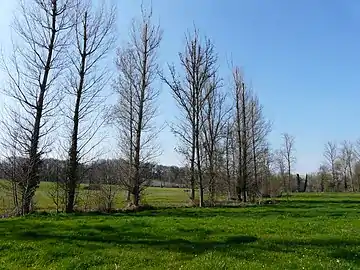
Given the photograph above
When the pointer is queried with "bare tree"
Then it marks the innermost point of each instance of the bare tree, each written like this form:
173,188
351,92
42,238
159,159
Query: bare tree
11,170
135,113
94,37
190,92
125,116
356,176
348,159
331,156
214,116
323,173
109,186
42,27
242,96
259,129
280,165
229,149
265,162
56,190
287,150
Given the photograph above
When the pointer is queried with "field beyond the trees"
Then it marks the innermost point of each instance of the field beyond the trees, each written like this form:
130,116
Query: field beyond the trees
307,231
152,195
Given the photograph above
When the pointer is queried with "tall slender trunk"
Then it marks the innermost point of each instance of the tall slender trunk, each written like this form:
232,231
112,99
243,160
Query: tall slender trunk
239,137
137,148
289,176
345,182
73,170
244,146
351,179
72,175
199,169
227,154
131,142
254,148
28,191
192,166
306,182
211,180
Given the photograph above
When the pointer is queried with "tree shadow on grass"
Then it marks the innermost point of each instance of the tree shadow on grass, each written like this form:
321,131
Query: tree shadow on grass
273,211
236,246
324,201
268,212
186,241
141,239
346,255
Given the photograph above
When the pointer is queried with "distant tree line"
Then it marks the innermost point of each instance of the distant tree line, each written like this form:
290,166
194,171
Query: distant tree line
340,170
53,169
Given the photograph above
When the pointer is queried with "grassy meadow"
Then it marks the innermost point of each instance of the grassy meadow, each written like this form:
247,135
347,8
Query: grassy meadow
307,231
169,197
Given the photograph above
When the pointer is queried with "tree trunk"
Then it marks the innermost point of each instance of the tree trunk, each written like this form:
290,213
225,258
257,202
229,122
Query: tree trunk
298,182
73,175
345,182
289,177
199,172
306,182
34,156
244,146
136,195
139,128
254,148
211,182
192,169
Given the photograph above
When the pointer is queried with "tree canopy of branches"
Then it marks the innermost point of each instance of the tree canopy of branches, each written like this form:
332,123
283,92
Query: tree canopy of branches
34,71
136,110
191,90
287,149
93,38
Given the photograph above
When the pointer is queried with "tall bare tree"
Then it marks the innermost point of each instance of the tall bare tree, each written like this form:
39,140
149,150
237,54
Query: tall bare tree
259,129
331,156
94,37
280,166
190,91
125,115
37,63
347,158
135,113
323,173
242,96
214,116
229,152
288,149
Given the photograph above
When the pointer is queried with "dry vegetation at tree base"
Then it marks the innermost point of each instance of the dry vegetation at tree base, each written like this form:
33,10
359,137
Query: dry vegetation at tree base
308,231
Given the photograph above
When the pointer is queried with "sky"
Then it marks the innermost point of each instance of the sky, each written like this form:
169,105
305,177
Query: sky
302,59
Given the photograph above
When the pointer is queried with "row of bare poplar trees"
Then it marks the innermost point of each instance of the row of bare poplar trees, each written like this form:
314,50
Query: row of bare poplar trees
222,129
58,79
55,82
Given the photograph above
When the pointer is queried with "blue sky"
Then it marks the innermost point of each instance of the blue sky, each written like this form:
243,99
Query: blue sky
301,57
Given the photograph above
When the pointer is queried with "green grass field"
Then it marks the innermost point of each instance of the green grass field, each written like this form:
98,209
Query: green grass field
153,196
309,231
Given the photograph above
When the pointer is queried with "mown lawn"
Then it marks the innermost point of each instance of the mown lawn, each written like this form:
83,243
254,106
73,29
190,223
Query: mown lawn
312,231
